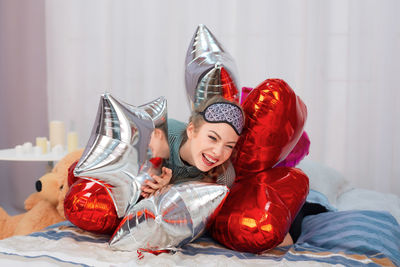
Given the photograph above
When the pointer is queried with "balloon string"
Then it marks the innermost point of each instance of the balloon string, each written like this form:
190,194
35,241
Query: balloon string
155,252
140,254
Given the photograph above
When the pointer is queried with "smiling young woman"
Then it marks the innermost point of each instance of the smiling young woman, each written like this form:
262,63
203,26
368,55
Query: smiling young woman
209,139
200,150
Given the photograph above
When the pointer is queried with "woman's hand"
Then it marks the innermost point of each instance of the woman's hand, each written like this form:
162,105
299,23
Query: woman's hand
159,182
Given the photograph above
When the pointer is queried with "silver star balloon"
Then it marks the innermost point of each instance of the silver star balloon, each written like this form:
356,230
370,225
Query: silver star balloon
209,69
157,109
117,149
170,219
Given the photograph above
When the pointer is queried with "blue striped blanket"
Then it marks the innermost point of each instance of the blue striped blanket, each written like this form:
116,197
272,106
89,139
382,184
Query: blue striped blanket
349,238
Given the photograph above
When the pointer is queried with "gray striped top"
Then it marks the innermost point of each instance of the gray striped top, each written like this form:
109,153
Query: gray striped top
182,172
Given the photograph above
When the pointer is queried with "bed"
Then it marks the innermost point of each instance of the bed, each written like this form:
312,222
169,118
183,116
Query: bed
361,230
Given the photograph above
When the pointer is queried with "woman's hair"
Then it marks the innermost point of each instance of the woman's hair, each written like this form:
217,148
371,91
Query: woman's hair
198,120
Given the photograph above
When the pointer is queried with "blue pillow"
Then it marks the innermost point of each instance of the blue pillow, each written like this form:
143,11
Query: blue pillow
354,232
319,198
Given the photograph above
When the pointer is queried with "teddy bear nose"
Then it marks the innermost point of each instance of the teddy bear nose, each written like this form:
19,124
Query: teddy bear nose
38,185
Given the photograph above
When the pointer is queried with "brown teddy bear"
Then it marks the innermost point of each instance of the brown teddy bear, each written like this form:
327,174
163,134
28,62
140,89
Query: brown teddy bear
44,207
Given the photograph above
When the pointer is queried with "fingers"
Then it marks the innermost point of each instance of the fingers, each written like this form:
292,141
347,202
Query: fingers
160,182
144,194
150,186
157,179
147,191
166,171
166,175
155,185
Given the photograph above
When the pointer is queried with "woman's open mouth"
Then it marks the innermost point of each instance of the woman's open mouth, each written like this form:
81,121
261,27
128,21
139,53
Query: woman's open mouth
208,160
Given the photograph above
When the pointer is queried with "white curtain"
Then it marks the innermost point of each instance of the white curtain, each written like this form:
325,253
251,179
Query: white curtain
23,100
341,57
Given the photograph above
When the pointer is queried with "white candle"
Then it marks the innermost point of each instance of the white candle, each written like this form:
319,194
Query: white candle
37,150
72,141
42,143
57,149
57,133
27,148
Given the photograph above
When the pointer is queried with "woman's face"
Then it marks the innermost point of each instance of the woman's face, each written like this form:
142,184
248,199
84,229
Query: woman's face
211,144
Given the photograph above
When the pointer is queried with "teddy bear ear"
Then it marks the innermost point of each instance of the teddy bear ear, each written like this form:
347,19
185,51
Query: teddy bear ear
64,187
60,205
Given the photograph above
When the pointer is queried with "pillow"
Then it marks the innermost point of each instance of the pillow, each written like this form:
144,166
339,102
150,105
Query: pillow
324,179
319,198
363,199
365,232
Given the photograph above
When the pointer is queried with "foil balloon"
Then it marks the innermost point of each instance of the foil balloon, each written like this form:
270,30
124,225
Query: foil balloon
170,219
275,118
117,149
157,109
88,205
258,212
300,150
209,69
245,92
298,153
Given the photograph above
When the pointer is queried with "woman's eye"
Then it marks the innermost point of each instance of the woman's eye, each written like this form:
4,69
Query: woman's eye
212,138
229,146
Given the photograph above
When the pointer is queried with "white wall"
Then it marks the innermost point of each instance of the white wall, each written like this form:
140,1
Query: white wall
23,96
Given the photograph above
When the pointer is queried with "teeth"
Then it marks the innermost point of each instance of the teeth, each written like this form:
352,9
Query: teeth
209,159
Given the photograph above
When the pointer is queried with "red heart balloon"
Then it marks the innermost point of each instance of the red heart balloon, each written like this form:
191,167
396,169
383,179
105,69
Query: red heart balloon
258,212
89,206
275,118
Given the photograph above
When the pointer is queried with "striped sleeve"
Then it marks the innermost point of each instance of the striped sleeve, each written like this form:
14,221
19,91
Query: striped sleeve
228,177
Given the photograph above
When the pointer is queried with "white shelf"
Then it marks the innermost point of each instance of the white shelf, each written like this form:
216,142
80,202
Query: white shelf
11,154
